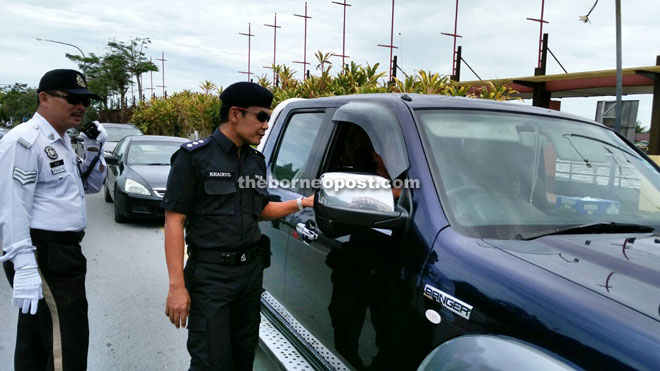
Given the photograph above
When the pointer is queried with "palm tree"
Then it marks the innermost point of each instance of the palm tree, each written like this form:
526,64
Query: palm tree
208,86
323,58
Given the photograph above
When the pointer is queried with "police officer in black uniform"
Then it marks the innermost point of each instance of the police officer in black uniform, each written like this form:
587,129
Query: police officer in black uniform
218,292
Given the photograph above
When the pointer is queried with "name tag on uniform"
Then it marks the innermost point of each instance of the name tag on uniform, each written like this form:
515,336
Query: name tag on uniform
57,167
218,174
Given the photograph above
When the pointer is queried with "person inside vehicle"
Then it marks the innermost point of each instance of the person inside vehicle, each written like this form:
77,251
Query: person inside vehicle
367,274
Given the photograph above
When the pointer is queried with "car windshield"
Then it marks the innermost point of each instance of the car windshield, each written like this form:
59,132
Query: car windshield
504,175
115,134
151,153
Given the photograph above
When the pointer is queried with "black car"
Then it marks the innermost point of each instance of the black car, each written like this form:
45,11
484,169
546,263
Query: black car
137,175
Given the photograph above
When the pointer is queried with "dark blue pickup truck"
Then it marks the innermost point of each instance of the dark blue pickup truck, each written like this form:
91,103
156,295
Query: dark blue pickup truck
455,233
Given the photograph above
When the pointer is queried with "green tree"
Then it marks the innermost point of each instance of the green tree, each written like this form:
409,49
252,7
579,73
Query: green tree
639,128
17,102
136,61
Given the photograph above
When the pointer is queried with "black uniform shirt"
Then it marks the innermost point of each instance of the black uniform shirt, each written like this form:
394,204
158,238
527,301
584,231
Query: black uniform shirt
203,184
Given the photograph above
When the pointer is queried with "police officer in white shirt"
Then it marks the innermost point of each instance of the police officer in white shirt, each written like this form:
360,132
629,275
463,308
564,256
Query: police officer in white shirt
42,219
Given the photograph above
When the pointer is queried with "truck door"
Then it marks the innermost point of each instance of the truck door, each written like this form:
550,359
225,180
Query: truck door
288,164
348,291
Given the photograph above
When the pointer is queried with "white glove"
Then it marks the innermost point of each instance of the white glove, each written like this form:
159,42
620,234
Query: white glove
103,135
27,283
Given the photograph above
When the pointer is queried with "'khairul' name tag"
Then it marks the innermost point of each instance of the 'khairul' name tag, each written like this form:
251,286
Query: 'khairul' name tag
57,167
219,174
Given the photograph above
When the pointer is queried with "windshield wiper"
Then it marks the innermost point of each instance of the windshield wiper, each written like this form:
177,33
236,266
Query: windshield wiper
157,163
590,228
601,141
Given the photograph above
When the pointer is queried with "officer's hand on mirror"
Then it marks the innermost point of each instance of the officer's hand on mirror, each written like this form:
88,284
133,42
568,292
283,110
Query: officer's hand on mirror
27,283
308,201
178,306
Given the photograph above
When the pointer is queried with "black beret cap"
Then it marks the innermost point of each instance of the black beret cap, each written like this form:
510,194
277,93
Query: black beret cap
247,94
70,81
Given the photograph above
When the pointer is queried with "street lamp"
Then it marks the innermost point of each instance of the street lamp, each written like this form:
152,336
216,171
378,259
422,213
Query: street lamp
63,43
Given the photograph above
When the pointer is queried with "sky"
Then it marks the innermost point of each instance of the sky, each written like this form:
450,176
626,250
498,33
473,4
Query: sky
201,39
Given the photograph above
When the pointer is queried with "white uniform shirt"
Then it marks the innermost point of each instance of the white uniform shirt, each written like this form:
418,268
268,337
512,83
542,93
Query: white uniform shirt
40,184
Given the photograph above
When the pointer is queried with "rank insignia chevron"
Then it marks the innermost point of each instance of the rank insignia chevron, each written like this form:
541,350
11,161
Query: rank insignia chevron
24,177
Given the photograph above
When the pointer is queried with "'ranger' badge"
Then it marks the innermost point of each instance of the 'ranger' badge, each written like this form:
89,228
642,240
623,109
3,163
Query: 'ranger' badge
455,305
50,152
243,258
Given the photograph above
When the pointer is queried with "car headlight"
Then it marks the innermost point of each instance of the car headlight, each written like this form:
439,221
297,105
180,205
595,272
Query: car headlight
135,187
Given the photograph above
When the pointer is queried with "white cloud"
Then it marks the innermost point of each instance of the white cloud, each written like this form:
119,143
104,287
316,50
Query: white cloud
201,38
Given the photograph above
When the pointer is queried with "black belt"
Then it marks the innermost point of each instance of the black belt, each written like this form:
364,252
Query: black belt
225,257
67,238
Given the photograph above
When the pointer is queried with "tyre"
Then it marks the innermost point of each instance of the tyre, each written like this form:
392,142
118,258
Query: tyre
108,198
120,216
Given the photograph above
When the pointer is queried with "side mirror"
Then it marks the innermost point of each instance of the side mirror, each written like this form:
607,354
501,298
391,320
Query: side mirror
346,202
112,160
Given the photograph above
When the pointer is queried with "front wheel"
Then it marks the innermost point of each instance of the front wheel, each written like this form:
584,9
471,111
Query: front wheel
120,216
108,198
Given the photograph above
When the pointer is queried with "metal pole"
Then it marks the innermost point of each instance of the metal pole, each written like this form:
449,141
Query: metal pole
619,84
343,47
541,22
249,35
63,43
304,62
162,60
391,46
455,35
275,27
391,39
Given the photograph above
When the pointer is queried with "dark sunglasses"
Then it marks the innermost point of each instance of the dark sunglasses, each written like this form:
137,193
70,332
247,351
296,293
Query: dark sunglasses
73,99
262,116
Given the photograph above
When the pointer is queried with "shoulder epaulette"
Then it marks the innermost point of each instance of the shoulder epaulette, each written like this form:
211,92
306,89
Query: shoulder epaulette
196,144
27,135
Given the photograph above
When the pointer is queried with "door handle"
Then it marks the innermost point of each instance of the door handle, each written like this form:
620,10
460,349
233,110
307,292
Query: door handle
307,235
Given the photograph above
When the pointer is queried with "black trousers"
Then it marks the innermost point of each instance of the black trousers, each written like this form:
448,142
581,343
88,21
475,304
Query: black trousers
223,324
57,337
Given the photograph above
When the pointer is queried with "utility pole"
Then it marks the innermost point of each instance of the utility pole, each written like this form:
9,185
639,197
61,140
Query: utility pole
304,61
619,74
541,22
343,45
275,27
163,60
151,80
454,53
249,35
391,45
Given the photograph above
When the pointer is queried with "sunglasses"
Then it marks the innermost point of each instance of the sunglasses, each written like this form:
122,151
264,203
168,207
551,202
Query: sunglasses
262,116
73,99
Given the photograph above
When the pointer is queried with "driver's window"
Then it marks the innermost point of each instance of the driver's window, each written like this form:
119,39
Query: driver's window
296,147
121,148
352,151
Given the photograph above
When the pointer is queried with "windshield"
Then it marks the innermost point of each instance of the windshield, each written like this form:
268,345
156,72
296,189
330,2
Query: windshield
503,175
151,153
115,134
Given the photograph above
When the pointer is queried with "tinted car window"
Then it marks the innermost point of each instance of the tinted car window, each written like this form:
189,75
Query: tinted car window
120,149
151,153
296,146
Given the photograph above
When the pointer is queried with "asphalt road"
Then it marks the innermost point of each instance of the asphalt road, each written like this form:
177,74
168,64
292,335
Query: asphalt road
126,288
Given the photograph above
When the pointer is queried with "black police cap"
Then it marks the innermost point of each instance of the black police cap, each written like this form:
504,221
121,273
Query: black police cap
70,81
247,94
